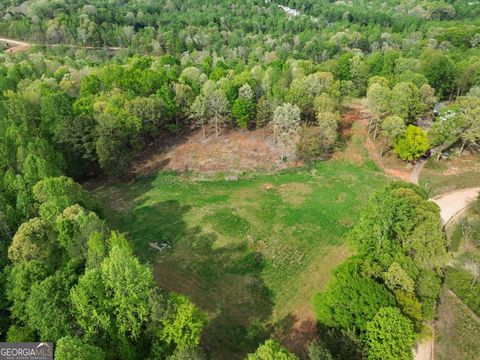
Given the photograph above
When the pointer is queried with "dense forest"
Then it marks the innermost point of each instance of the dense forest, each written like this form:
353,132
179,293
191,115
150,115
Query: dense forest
104,80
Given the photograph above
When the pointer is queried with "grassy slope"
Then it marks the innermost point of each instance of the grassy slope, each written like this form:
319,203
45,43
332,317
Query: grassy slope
457,330
250,252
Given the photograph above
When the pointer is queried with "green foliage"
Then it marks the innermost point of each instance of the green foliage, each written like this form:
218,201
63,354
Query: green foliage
350,300
33,241
440,72
54,195
412,145
48,308
464,284
128,283
271,350
316,351
183,324
75,226
397,278
389,336
188,354
72,348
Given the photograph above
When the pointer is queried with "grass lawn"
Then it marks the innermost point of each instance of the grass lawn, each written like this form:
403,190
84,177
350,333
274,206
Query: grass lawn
251,252
457,330
451,174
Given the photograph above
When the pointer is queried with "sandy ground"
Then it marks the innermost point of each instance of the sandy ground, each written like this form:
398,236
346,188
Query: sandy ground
454,202
14,45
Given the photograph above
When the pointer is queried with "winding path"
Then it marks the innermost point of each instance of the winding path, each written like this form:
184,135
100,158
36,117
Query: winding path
17,46
451,204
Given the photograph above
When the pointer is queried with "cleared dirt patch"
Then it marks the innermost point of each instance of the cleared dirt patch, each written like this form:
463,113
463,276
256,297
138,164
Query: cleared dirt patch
233,150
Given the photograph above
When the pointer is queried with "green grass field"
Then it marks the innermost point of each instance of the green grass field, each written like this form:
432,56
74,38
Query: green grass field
251,252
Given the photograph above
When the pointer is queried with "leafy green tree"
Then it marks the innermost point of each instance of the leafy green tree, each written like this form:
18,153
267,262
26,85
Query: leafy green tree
350,300
379,99
243,109
56,194
48,307
428,285
470,134
264,112
446,130
324,103
427,242
74,227
286,126
316,351
129,284
392,127
18,333
412,145
34,240
406,101
389,336
91,305
440,72
188,354
411,307
149,111
182,324
20,280
72,348
117,136
397,278
271,350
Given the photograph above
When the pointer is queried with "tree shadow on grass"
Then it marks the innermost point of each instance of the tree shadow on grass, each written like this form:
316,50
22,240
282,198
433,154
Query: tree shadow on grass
224,280
295,333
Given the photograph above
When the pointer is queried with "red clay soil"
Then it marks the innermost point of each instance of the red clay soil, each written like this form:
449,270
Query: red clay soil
232,150
359,112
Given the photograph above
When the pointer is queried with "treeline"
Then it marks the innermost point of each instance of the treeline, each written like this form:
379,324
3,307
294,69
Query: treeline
379,300
253,30
97,116
69,280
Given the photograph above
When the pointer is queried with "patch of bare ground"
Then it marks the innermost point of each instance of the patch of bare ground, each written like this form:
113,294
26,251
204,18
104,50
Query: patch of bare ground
354,125
233,150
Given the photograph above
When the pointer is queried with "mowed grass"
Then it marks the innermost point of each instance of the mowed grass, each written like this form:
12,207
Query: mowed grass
251,252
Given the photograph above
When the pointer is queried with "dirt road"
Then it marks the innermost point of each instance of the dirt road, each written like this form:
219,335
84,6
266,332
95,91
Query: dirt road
17,45
454,202
451,204
14,45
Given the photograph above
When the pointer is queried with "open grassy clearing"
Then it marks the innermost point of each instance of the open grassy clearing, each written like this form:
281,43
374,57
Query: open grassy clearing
250,252
450,174
457,330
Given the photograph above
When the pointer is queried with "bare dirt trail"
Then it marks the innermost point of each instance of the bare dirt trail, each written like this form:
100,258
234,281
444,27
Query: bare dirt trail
455,202
15,45
18,45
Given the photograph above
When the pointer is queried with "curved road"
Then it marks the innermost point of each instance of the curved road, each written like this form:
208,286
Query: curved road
451,204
